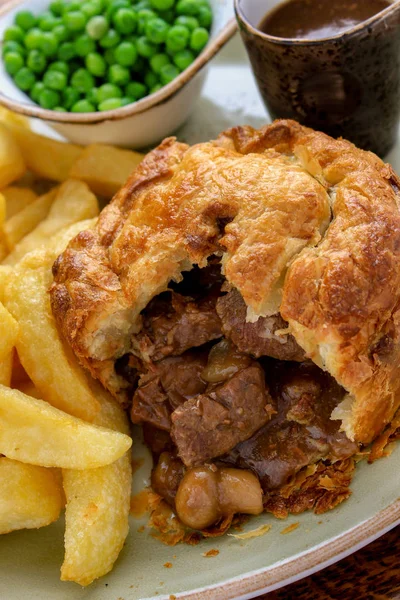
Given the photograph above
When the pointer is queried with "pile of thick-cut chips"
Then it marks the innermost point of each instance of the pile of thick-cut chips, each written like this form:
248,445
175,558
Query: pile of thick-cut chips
64,443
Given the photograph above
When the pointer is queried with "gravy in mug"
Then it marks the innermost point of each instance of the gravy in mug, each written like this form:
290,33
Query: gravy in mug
318,19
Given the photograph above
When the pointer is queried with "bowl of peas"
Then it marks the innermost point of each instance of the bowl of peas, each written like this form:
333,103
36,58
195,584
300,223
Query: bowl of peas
123,72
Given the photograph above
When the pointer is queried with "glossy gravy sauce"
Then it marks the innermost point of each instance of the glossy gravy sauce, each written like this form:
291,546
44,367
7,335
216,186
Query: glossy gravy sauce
318,19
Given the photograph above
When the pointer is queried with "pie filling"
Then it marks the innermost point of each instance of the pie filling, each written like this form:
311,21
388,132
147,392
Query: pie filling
231,410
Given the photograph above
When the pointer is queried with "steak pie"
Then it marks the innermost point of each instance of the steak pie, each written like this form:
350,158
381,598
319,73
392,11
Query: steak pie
241,299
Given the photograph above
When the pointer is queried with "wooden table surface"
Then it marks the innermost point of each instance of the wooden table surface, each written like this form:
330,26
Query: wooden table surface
372,573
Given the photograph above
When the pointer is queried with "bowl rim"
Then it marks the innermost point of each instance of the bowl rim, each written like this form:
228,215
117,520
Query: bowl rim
138,107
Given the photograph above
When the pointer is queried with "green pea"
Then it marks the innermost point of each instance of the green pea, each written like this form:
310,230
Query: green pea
57,7
70,97
14,34
150,79
83,106
142,17
55,80
205,17
61,33
13,62
126,100
142,5
47,21
96,64
114,6
25,19
84,45
156,30
168,73
97,27
135,90
33,39
82,80
199,39
49,43
108,90
183,59
189,22
110,104
36,61
156,88
145,48
187,7
162,4
75,20
49,99
60,66
92,8
126,54
158,61
66,51
60,109
178,38
25,79
73,6
93,96
125,20
12,47
118,75
110,39
37,90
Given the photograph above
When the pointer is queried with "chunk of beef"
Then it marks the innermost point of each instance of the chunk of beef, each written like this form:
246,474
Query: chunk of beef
181,376
260,338
173,324
301,433
170,382
150,403
213,423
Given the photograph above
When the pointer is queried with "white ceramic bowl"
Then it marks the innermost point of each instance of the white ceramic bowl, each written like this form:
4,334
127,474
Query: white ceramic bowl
138,125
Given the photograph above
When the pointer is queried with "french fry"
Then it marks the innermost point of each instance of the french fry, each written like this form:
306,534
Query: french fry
8,336
3,244
43,156
17,198
12,165
28,218
32,431
97,509
104,168
30,496
74,202
5,274
8,117
49,362
3,210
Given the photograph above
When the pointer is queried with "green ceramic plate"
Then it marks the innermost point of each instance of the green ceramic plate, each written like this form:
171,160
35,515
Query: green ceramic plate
30,561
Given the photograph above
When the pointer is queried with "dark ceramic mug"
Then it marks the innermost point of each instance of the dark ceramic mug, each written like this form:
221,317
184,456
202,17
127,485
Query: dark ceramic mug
347,85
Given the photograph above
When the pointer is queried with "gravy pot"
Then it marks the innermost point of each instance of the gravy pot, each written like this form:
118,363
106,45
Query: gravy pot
346,84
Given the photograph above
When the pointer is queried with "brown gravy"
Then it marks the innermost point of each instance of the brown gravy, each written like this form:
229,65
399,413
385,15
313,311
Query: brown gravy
318,19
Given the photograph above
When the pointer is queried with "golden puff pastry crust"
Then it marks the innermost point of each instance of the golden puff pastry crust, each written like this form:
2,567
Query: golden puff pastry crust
305,225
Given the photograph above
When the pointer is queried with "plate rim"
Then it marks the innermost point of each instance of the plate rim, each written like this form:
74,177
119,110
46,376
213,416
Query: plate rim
290,570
